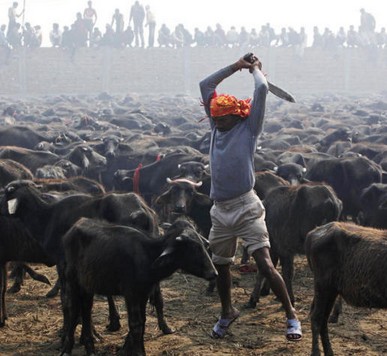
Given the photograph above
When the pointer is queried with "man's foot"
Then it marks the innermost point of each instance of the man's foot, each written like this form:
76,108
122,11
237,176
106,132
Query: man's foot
293,330
221,327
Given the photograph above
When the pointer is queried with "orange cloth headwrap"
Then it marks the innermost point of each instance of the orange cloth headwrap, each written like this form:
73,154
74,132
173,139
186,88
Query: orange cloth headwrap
229,105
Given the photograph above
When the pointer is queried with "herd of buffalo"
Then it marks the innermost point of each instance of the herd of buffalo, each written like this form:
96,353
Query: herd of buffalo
114,191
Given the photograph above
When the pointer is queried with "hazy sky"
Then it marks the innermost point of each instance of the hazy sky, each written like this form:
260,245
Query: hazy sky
203,13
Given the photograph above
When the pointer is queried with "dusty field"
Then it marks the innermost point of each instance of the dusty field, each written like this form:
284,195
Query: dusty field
34,322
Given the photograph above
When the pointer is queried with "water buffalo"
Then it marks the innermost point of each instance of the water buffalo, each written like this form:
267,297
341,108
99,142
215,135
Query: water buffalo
111,259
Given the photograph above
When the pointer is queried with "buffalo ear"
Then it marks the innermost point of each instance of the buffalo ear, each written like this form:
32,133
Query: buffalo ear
166,257
164,198
202,199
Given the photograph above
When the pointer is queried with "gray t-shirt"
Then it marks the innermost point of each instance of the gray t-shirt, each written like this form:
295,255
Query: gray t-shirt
232,152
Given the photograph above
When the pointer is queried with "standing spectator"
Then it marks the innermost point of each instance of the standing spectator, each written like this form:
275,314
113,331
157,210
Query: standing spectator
90,17
12,15
164,36
118,21
137,13
367,28
367,21
55,35
151,24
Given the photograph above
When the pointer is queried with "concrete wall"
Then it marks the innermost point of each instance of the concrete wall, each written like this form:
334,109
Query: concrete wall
172,71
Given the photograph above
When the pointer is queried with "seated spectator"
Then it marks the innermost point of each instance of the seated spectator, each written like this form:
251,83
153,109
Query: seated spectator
328,39
381,38
109,37
79,31
199,38
164,36
317,38
4,44
14,36
3,37
95,37
187,36
264,37
209,37
28,35
271,32
128,37
254,39
220,36
294,37
55,35
244,37
38,36
352,37
283,38
341,37
232,37
67,38
177,37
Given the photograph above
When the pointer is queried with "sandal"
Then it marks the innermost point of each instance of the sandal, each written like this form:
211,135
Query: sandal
293,330
219,330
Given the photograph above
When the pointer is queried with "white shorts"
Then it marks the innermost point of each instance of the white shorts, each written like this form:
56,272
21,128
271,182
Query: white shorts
242,217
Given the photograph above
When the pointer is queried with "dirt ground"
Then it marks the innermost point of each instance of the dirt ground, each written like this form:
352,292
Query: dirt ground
34,322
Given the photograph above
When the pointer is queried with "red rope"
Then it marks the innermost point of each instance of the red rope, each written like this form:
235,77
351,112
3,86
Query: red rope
136,179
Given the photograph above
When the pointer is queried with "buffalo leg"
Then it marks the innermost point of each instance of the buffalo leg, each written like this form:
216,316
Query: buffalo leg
156,299
134,342
54,290
71,308
337,309
322,305
114,317
87,325
287,264
17,273
3,287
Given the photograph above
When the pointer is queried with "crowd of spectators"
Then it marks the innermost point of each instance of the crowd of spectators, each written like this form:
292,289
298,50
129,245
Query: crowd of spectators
83,32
